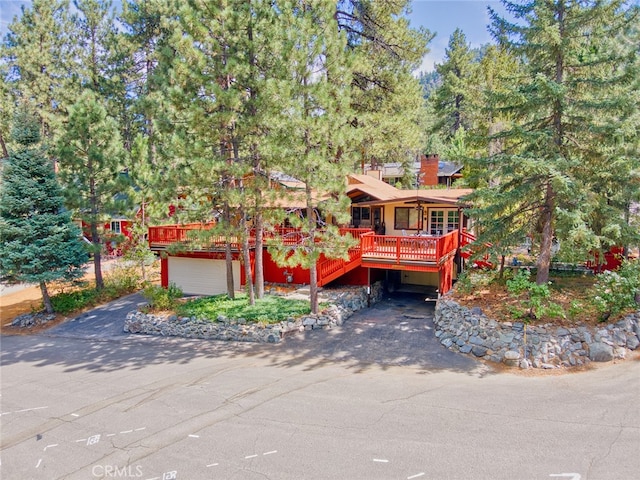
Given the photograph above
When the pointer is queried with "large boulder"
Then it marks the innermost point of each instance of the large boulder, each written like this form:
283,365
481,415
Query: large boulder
600,352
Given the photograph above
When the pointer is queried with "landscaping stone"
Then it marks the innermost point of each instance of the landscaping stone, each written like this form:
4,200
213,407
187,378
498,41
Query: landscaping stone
344,302
547,346
600,352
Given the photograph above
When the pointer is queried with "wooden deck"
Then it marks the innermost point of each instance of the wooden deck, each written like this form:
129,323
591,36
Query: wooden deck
416,253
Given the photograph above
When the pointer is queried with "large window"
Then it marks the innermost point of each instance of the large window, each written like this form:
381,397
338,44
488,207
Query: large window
408,218
443,221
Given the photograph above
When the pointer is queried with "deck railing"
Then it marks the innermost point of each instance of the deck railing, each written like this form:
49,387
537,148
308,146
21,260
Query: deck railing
408,248
385,248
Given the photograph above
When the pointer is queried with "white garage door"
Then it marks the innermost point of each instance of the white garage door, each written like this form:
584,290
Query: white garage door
200,276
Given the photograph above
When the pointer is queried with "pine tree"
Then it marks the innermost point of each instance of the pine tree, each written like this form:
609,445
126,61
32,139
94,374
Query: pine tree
90,152
39,50
314,132
572,121
451,100
38,241
386,100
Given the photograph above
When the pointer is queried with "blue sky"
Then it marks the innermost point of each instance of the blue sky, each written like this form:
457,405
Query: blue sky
440,16
444,16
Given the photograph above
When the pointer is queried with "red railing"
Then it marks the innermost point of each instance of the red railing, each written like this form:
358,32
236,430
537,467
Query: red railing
388,249
166,234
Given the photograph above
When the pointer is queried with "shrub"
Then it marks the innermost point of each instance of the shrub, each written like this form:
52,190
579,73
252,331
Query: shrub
123,279
160,298
537,302
617,291
67,302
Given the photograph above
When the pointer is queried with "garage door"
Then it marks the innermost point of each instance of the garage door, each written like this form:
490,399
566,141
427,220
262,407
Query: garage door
199,276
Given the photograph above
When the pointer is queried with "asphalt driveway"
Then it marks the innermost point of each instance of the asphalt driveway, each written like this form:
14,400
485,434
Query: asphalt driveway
397,331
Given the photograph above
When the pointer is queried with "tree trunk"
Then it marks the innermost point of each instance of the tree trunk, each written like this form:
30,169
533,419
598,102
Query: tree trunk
228,255
5,153
46,300
313,288
544,257
95,237
259,260
246,255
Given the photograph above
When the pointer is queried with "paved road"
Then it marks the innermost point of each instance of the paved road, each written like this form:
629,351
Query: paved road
158,408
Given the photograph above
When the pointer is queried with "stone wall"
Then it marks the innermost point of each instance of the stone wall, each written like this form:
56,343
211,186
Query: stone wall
344,301
542,346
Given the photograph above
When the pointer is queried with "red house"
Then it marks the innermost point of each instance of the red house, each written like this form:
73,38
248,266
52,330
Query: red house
405,237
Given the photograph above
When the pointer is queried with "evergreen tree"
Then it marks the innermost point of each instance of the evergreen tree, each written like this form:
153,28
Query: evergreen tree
313,130
451,100
90,154
572,120
39,50
38,241
386,99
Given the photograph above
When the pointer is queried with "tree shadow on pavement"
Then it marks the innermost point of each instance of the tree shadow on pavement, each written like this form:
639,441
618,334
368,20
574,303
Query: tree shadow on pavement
397,332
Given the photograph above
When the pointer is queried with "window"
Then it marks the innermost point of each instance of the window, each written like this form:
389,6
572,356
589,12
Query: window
408,218
443,221
360,216
115,226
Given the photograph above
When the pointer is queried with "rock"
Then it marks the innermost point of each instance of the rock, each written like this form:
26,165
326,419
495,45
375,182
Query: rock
547,366
525,364
600,352
479,351
619,352
562,332
512,355
465,348
632,341
476,311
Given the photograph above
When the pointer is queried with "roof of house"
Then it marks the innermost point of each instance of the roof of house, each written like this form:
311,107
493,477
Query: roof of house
371,186
395,169
447,169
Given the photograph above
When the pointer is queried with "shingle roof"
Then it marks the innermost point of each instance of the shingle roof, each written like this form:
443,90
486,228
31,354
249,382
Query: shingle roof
371,186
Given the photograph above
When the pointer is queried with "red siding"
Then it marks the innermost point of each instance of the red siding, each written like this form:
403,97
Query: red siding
275,274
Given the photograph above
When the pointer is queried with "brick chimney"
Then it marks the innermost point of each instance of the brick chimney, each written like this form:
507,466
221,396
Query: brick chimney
429,169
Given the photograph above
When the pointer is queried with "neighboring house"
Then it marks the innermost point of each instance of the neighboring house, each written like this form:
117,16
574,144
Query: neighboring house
429,170
405,237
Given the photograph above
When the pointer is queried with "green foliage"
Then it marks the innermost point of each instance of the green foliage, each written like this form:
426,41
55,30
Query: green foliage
121,280
270,309
617,291
160,298
537,303
68,302
567,148
39,242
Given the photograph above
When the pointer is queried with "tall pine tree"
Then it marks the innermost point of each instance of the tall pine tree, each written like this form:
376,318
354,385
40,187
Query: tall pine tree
572,122
38,241
91,153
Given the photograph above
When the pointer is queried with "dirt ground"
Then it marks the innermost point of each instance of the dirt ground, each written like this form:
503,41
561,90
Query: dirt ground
23,301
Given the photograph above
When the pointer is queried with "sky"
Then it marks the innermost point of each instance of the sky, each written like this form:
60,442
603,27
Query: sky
444,16
439,16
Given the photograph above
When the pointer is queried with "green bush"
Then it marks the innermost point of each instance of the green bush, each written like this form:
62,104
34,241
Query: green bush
67,302
537,302
160,298
122,280
616,291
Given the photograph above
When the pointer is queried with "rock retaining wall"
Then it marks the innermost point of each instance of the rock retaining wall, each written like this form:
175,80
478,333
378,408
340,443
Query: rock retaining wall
344,301
542,346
